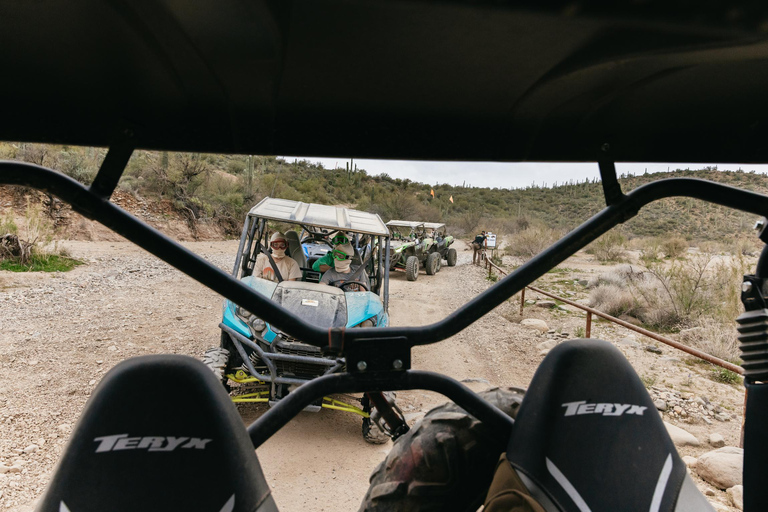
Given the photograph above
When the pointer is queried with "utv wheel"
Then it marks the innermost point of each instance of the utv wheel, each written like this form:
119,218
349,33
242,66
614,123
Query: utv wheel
433,263
412,268
451,257
216,359
372,434
444,463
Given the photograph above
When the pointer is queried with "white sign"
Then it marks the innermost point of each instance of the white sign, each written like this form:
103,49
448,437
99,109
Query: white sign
310,302
490,240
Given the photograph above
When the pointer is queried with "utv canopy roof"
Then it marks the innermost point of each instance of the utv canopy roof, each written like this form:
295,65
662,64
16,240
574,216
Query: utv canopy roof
319,215
434,225
499,80
405,224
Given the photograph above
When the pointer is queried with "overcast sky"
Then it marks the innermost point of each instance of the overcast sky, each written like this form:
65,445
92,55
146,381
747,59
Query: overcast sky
505,175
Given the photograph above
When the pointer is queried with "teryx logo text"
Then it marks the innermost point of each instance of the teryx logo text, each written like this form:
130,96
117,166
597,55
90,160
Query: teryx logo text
149,443
582,407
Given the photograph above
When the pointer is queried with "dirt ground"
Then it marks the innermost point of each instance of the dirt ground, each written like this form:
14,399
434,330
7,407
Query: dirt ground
61,332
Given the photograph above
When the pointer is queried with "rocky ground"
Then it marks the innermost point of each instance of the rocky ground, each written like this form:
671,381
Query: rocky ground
62,332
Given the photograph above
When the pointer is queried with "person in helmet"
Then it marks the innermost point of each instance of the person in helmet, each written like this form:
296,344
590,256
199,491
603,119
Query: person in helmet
287,266
343,271
325,262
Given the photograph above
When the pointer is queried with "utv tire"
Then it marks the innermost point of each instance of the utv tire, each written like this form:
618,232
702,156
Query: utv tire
433,263
451,257
412,268
372,434
216,359
444,463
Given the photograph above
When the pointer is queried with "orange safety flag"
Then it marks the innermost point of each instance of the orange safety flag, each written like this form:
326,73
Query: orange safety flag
450,199
432,192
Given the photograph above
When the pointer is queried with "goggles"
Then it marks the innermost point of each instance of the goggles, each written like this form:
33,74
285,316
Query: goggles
339,239
277,244
340,256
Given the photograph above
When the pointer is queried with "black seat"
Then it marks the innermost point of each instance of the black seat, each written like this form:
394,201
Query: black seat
588,437
142,445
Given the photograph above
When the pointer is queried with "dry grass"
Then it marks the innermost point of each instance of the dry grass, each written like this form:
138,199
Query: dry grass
609,247
613,300
700,295
674,247
529,242
714,338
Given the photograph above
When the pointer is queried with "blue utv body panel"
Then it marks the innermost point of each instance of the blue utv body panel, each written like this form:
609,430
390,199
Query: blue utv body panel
230,319
360,307
363,305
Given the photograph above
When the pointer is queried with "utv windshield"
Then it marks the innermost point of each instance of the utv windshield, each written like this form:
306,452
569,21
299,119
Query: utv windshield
318,304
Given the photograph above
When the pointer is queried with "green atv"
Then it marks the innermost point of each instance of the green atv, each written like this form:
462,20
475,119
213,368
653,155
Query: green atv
442,245
411,248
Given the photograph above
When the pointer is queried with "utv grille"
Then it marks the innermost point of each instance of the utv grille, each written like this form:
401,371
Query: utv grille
298,369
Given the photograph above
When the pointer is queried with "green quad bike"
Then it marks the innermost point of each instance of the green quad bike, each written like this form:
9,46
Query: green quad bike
414,250
442,243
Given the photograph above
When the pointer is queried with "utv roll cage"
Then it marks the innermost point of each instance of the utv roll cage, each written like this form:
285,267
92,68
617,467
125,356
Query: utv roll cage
316,219
523,81
395,227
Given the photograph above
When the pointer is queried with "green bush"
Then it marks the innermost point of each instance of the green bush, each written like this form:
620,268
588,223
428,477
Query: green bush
724,375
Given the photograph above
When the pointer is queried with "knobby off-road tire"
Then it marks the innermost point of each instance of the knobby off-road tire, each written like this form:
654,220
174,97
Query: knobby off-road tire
371,432
433,263
451,257
216,359
412,268
444,463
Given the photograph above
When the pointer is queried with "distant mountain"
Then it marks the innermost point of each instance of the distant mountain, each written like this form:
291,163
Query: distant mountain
222,188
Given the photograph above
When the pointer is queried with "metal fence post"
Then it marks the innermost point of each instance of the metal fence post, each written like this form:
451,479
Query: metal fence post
522,301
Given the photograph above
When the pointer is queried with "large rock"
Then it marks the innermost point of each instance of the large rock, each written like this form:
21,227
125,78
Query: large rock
736,493
722,467
681,437
535,323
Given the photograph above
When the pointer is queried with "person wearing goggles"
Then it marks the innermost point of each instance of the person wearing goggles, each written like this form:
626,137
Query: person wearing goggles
325,263
287,266
342,269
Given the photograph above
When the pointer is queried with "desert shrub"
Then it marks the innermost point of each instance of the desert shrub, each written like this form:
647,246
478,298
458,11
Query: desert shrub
713,337
650,250
613,300
29,247
744,247
609,247
724,375
530,242
674,247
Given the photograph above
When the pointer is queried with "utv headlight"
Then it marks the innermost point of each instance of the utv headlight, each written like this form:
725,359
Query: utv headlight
255,323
